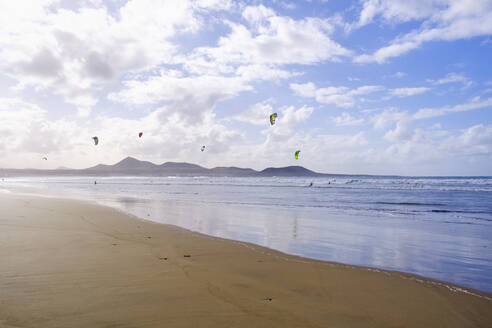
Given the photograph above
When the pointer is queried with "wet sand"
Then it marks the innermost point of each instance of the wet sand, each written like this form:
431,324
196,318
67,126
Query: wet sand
67,263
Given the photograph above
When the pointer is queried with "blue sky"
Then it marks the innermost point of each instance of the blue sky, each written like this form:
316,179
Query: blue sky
369,86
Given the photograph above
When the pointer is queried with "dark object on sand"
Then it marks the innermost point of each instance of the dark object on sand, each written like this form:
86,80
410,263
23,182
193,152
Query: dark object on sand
163,258
187,255
269,299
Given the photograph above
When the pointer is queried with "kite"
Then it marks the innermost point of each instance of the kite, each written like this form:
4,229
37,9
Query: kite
296,154
272,118
203,148
140,134
96,140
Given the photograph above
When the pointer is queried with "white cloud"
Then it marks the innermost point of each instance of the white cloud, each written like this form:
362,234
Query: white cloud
288,118
442,21
345,119
387,117
402,131
406,92
257,114
323,152
339,96
453,78
192,97
397,10
476,140
57,50
288,5
263,72
307,90
433,112
258,14
399,75
335,142
214,4
427,146
274,40
28,134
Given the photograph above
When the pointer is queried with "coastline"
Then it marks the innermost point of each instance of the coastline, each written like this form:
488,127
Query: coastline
71,263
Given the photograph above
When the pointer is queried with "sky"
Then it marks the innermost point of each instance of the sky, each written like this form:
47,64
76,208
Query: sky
360,87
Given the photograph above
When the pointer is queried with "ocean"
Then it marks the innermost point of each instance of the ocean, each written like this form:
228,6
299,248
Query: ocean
436,227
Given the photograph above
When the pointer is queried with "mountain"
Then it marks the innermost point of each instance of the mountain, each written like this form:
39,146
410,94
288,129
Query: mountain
180,165
232,171
290,171
128,163
134,167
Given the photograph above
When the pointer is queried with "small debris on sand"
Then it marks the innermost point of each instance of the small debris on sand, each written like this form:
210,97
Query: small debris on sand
163,258
268,299
187,255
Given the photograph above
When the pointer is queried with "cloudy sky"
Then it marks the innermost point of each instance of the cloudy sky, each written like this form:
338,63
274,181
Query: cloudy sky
368,86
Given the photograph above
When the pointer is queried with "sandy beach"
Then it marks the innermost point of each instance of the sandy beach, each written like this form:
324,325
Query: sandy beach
68,263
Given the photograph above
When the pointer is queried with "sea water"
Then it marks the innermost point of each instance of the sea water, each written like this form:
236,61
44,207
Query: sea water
435,227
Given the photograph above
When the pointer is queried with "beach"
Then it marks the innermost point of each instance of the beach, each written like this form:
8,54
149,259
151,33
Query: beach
68,263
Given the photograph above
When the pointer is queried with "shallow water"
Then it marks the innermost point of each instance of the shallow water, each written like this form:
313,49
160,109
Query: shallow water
435,227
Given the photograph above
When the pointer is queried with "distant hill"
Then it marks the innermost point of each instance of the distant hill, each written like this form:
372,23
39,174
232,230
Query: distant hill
63,168
297,171
233,171
128,163
132,166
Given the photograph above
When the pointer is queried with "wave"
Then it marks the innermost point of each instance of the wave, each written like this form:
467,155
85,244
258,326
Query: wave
366,183
409,203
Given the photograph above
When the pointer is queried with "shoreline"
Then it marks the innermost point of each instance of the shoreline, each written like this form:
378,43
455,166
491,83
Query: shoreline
37,191
30,191
224,273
